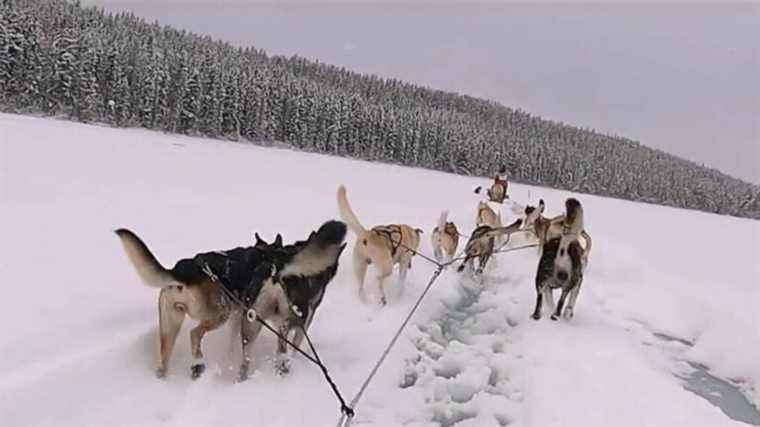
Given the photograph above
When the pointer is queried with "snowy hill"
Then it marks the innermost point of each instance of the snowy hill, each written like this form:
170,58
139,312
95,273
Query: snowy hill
668,296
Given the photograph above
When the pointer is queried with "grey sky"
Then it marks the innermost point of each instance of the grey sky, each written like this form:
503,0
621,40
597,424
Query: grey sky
683,78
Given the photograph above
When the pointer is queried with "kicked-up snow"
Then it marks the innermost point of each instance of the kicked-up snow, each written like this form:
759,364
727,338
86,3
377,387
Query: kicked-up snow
79,345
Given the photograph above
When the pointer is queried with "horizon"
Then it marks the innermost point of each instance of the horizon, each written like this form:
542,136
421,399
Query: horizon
692,89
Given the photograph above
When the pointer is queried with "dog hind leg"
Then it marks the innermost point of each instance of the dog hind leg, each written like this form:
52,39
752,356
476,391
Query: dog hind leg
360,265
383,273
171,314
569,310
196,338
539,300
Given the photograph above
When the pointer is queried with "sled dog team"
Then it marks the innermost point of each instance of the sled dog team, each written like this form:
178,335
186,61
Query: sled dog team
285,284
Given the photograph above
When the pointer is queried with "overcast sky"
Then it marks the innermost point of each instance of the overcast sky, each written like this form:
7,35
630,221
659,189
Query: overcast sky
683,78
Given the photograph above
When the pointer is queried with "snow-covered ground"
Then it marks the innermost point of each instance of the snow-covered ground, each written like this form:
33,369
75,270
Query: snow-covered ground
79,344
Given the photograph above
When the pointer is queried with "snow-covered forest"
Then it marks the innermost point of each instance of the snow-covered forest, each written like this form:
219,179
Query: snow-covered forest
59,59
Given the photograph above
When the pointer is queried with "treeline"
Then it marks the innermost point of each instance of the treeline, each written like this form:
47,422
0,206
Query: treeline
60,59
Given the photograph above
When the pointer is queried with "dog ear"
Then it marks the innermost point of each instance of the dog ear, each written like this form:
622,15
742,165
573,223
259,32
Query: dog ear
278,240
259,240
529,209
541,206
418,230
477,189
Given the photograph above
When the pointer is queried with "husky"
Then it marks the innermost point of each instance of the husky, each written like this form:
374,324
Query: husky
383,246
562,263
281,282
482,244
444,239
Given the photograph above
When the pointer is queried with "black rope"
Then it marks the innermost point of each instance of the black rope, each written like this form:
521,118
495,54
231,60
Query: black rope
364,386
345,409
500,251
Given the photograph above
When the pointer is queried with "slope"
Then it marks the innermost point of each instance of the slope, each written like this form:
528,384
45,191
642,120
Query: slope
80,341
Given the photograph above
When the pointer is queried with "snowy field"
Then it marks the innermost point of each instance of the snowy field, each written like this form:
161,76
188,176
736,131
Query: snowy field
667,292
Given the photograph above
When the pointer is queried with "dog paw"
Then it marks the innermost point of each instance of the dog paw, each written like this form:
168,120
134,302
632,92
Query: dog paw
160,372
197,370
555,317
536,316
568,314
383,301
282,367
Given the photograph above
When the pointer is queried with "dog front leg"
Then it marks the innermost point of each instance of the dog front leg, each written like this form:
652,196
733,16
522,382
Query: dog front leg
282,362
249,330
561,303
467,260
549,299
569,310
403,269
539,297
299,335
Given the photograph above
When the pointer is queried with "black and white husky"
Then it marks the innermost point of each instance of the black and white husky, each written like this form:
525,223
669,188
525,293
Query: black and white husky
561,264
281,283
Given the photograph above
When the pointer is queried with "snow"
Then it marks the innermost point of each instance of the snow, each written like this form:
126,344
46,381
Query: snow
79,347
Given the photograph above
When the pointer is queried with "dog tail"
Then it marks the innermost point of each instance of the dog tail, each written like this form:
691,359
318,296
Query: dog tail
347,214
442,221
511,228
147,266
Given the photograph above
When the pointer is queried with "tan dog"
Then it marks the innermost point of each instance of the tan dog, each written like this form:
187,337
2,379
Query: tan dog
444,239
487,216
383,246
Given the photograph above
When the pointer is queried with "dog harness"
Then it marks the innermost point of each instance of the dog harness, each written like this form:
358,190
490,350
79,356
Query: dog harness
451,229
393,234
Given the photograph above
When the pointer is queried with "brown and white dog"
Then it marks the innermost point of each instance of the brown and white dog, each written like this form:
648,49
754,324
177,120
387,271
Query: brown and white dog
382,246
562,263
444,239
